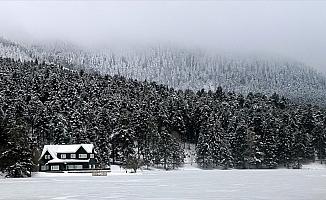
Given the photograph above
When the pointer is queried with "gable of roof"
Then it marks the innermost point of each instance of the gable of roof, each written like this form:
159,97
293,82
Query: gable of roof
65,148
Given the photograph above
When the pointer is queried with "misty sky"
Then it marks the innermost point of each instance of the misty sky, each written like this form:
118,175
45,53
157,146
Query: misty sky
295,29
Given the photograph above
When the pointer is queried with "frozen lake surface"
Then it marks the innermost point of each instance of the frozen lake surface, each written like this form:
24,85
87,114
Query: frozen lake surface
187,184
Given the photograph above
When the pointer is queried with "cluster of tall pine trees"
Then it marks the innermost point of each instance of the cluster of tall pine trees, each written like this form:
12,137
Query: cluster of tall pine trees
138,120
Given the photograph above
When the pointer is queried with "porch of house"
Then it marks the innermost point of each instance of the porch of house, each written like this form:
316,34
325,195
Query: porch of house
73,166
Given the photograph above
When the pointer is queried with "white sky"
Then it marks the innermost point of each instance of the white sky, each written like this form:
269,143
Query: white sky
296,29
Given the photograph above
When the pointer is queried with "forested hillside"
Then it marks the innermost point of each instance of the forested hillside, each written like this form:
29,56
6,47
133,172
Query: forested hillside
184,68
9,49
148,122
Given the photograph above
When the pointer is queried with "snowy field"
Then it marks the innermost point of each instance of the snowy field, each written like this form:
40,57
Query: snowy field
181,184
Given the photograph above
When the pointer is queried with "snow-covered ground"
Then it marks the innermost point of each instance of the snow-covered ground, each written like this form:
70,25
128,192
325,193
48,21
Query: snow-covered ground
279,184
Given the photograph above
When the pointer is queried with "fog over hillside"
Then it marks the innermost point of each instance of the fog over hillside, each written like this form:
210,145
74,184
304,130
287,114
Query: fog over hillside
246,47
289,29
184,68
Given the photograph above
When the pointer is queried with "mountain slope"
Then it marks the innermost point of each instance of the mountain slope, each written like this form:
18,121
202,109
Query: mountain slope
129,120
192,69
9,49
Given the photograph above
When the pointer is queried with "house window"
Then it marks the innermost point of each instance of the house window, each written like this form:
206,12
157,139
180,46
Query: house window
63,156
74,167
47,157
70,166
44,167
55,167
82,155
78,166
72,155
91,155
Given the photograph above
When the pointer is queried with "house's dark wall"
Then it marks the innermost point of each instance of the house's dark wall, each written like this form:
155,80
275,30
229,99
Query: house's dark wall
68,155
43,160
81,150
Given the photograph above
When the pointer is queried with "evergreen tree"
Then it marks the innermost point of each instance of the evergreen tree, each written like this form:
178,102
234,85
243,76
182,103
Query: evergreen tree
241,146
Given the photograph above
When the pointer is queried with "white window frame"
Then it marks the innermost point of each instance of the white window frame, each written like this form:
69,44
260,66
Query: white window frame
63,156
82,155
55,168
47,157
91,155
73,155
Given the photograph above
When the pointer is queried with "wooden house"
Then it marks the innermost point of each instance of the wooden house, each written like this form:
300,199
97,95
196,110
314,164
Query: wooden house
74,157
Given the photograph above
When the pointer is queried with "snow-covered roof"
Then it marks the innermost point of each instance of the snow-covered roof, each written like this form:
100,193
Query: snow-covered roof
56,160
65,148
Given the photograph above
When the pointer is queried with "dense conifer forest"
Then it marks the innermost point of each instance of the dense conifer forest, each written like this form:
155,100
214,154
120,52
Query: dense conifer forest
149,122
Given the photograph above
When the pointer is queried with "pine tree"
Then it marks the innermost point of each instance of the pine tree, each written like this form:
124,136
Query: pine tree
226,159
204,146
241,146
319,136
286,140
15,154
269,147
